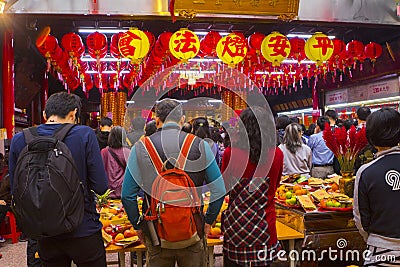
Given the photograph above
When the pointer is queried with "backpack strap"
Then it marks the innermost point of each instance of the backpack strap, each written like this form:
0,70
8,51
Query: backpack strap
154,156
63,130
30,134
187,144
115,156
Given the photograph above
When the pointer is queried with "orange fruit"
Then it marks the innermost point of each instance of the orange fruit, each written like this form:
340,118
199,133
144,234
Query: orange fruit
119,237
106,223
215,231
113,211
296,187
304,191
334,187
299,192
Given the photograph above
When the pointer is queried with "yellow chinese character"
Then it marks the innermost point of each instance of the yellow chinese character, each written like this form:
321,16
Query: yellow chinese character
255,2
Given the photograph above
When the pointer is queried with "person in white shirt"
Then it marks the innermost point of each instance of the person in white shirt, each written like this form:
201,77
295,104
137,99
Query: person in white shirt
297,157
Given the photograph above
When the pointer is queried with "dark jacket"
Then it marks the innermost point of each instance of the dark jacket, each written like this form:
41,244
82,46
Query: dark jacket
82,142
376,194
102,138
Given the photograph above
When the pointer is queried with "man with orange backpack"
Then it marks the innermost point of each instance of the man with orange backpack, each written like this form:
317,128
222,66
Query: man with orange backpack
171,167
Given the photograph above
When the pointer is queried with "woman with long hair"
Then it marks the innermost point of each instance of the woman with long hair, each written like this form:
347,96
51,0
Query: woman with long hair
201,128
296,155
252,167
114,158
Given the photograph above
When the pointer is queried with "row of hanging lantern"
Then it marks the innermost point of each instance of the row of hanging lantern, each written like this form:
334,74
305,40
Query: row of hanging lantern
260,57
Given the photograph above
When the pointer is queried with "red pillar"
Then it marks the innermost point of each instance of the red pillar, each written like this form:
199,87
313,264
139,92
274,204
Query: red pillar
8,83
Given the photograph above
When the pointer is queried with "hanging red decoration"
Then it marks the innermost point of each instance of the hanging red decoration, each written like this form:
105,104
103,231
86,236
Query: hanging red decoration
209,43
114,51
72,43
163,40
255,41
354,50
96,41
339,48
152,39
297,48
49,46
373,51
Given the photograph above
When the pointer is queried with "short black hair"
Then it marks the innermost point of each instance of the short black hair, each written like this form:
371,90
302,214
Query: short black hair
363,113
117,137
106,121
62,103
187,127
282,122
201,127
150,128
321,122
169,109
383,128
347,124
138,123
331,114
295,120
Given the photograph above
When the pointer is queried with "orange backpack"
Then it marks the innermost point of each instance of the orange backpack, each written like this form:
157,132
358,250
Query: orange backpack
175,205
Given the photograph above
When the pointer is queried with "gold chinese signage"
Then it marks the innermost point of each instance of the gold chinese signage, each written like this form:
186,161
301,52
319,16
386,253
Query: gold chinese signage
285,8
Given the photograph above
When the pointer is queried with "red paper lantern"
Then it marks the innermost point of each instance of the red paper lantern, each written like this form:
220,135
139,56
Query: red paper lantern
97,45
297,48
96,41
152,39
114,51
255,41
354,50
339,48
163,40
73,44
209,43
373,51
49,46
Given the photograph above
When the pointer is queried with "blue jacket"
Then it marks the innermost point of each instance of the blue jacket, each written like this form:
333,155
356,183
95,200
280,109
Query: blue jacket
82,142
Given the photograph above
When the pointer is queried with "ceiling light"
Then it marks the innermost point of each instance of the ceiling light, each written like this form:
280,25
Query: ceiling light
305,36
101,30
205,33
292,61
299,111
195,71
2,6
106,59
107,72
273,72
214,101
205,60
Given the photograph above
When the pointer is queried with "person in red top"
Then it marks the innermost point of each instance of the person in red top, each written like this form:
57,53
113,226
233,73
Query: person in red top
252,167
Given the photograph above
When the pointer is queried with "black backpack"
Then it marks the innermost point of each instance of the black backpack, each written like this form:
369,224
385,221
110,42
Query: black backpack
48,195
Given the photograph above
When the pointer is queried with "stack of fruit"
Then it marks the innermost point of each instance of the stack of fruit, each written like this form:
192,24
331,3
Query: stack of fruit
116,226
288,194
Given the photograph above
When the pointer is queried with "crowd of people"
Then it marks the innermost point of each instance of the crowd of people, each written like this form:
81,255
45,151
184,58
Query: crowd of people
235,164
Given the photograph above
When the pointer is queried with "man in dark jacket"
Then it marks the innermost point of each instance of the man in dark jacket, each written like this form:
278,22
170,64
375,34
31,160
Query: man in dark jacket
102,135
84,245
